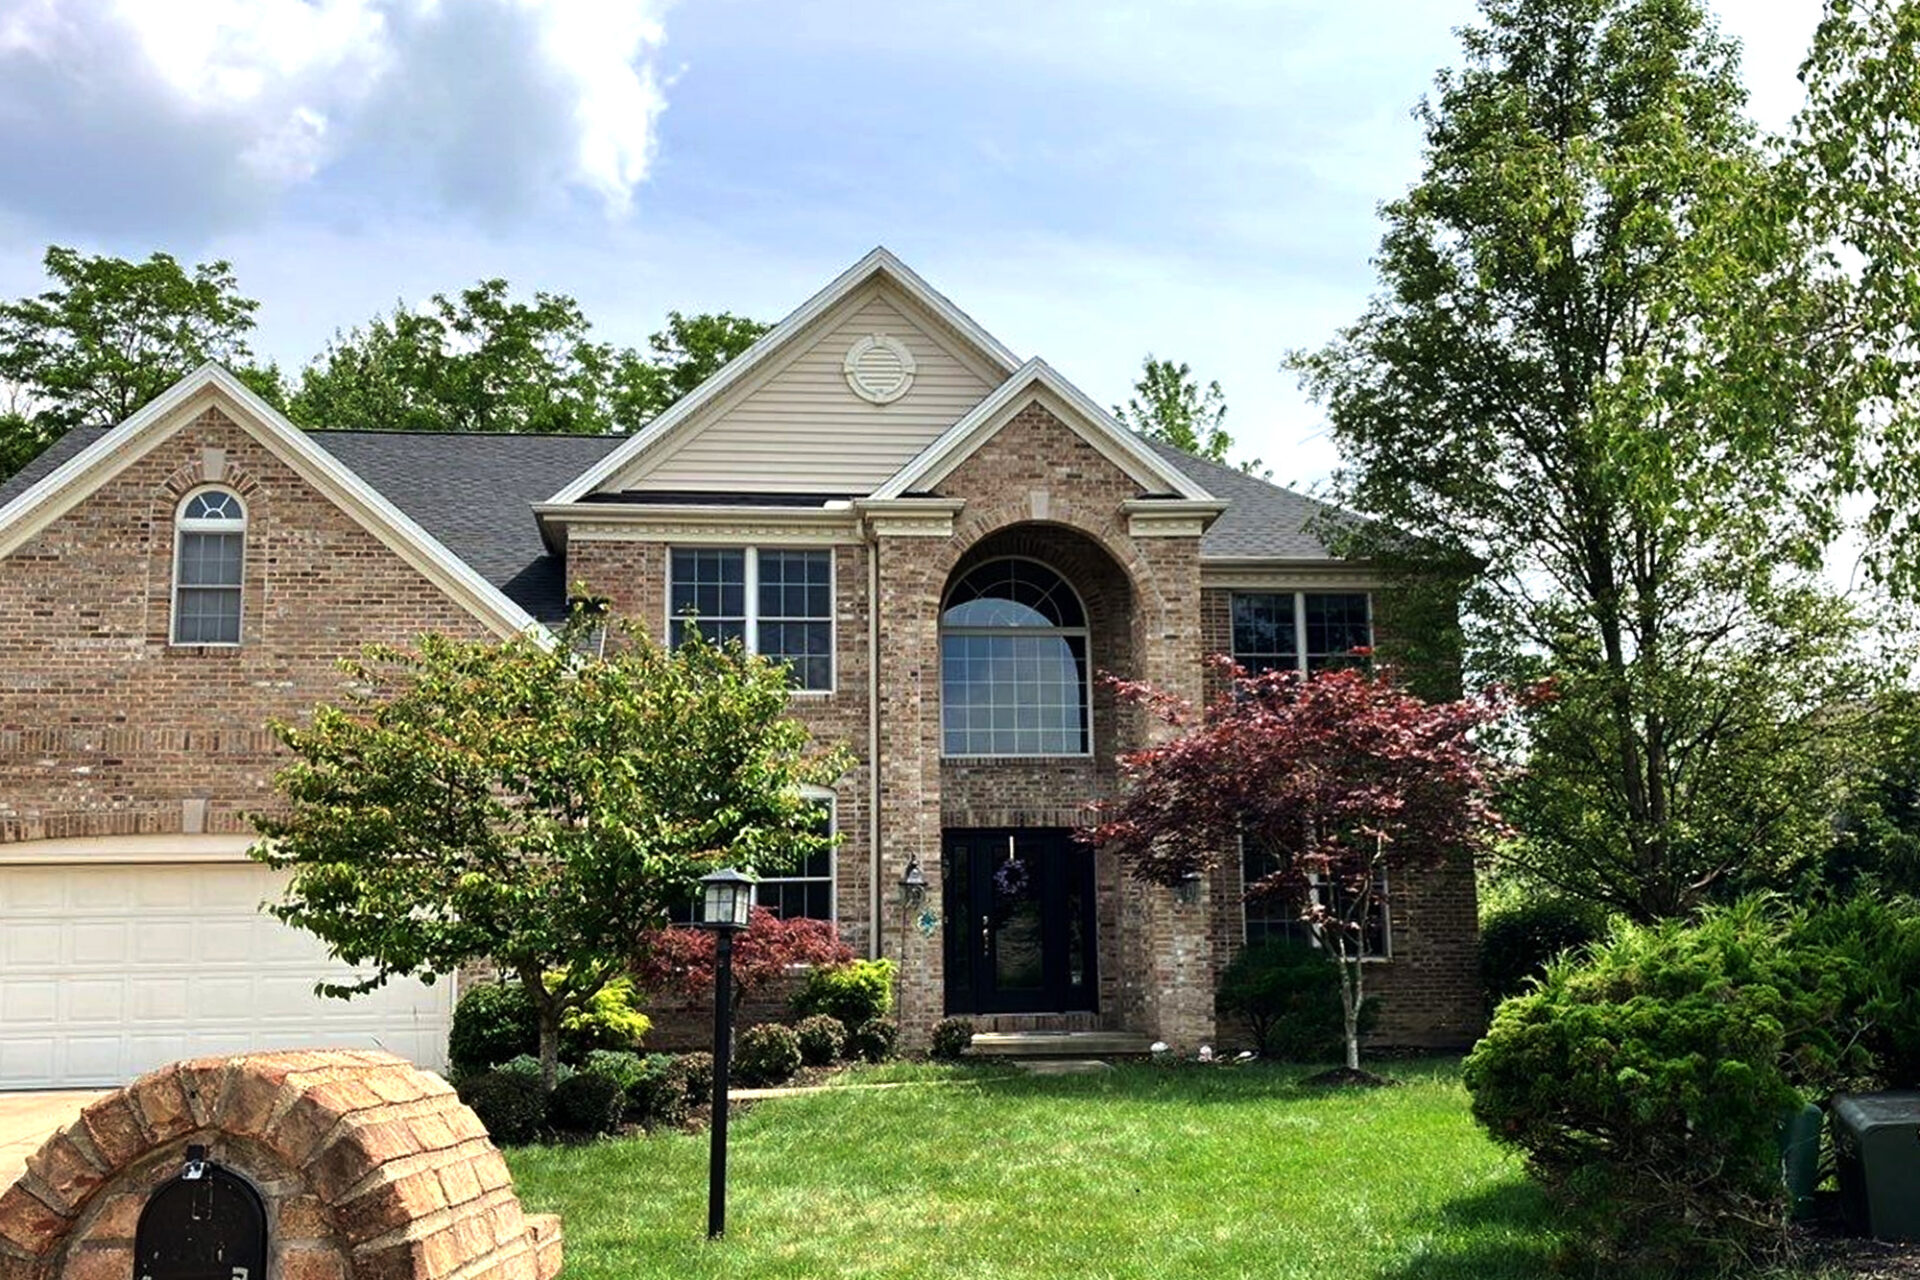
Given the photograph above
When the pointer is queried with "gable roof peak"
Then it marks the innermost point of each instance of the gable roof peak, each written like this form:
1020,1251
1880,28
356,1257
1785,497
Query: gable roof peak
878,262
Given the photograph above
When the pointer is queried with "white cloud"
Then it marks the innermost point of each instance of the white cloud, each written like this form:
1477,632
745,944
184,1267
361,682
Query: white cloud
490,106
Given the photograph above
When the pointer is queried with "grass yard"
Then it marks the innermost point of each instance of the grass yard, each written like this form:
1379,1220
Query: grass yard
1142,1172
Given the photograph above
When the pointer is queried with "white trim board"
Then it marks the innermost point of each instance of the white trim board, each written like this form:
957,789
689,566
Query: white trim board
1037,380
777,340
60,490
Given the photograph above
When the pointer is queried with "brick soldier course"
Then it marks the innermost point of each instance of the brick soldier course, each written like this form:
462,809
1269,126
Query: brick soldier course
107,730
369,1169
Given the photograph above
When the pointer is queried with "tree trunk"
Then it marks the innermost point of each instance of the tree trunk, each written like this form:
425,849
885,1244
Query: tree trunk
547,1008
1350,988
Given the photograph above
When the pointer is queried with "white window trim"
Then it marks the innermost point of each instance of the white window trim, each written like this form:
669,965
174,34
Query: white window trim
1300,655
182,526
942,631
751,619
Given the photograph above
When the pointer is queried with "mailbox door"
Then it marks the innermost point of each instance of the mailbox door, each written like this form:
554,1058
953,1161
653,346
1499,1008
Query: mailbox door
211,1227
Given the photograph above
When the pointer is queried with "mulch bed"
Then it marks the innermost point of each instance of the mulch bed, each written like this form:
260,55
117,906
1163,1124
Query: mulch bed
1349,1078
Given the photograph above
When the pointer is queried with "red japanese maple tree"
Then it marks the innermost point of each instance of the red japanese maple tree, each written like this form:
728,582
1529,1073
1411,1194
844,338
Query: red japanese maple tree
681,959
1336,777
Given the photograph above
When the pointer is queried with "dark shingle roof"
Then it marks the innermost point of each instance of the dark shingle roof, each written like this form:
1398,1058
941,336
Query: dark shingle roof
471,491
474,492
1263,519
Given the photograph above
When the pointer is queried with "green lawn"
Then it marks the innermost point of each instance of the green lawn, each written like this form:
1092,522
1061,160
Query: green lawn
1146,1171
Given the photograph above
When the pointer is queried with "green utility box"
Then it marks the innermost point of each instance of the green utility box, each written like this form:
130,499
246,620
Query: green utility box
1876,1152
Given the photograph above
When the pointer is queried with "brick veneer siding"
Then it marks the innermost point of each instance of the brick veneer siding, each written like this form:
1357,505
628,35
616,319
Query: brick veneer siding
368,1168
1430,986
108,729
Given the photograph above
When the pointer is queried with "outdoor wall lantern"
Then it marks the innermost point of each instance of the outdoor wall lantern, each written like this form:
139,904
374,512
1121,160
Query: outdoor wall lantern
913,884
1187,892
726,898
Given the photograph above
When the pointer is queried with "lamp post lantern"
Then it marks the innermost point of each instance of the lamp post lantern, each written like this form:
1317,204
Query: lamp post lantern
726,898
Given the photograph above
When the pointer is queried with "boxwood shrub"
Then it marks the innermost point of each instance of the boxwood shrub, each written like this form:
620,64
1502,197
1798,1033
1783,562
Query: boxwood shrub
822,1039
1517,941
1287,995
873,1040
586,1103
768,1053
508,1103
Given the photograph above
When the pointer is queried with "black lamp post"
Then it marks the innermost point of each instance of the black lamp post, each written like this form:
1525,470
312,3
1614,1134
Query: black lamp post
726,897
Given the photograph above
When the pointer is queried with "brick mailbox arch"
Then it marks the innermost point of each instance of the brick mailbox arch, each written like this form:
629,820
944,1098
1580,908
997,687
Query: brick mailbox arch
368,1168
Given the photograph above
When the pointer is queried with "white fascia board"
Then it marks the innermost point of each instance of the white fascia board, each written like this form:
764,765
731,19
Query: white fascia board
99,462
730,374
1083,416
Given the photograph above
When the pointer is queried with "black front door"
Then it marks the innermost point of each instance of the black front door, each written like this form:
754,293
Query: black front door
1019,908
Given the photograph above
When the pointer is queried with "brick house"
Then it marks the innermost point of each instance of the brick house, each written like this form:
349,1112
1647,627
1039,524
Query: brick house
947,543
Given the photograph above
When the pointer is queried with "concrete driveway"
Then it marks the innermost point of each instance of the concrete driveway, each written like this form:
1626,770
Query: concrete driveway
29,1119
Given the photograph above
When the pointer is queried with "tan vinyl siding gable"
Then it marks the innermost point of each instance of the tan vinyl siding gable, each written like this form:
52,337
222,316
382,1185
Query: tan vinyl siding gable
802,429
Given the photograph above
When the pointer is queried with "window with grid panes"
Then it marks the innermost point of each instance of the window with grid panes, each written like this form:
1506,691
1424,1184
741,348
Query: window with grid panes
1300,630
1013,664
209,559
805,892
779,603
1269,917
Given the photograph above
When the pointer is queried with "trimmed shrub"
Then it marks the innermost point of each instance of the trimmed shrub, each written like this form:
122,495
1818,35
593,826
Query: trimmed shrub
496,1022
768,1053
854,993
951,1036
527,1067
492,1023
697,1068
873,1040
508,1103
610,1021
1517,941
586,1103
618,1065
1645,1081
1287,994
822,1038
1878,943
658,1094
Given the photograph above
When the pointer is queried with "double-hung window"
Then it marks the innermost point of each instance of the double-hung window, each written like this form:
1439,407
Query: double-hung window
1273,917
778,603
209,559
802,892
1302,631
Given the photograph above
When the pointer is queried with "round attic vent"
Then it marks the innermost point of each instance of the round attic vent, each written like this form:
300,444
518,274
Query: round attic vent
879,368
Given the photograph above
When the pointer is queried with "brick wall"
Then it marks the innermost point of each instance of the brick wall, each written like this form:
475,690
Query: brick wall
105,727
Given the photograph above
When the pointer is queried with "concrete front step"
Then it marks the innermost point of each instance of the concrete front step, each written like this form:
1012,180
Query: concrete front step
1059,1044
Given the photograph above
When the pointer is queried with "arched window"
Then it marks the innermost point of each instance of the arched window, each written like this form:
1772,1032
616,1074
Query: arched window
209,553
1013,664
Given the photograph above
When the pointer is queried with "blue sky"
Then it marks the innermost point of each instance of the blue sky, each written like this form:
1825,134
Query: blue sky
1091,181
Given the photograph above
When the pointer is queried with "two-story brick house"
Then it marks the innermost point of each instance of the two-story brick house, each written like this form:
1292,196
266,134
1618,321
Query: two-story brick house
948,543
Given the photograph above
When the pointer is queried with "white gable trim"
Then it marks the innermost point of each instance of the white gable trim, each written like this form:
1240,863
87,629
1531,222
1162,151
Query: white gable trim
775,341
61,489
1037,380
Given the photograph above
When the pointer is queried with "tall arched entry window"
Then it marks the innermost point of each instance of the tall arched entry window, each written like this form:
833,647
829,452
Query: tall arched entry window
1013,663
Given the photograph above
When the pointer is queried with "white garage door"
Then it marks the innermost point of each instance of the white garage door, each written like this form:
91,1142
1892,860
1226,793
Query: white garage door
109,971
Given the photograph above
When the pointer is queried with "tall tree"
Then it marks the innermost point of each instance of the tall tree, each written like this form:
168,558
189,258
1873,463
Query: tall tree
108,337
679,358
1597,369
476,362
534,808
1170,406
1337,778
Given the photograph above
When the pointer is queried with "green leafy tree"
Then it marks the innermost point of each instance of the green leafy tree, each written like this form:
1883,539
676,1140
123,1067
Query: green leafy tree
679,358
109,336
1598,370
1170,406
476,362
522,805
